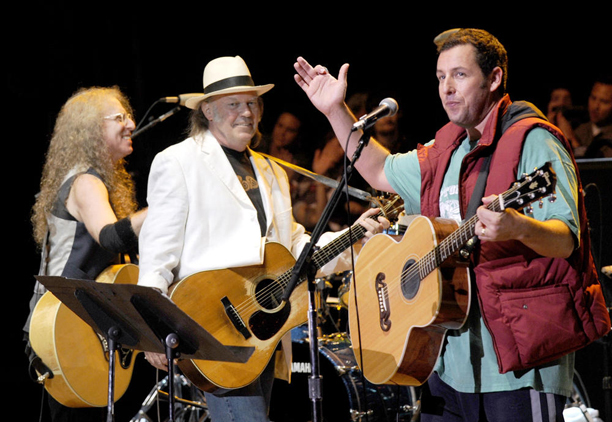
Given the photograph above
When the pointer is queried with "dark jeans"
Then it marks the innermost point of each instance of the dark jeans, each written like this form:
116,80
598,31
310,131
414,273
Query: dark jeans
440,403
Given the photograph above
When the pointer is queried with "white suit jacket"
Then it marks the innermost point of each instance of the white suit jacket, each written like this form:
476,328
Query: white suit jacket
200,217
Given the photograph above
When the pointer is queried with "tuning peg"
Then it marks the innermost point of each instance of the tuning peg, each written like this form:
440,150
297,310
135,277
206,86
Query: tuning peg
540,203
552,198
529,209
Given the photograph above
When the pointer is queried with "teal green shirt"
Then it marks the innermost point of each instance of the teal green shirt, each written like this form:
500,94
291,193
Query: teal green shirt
468,362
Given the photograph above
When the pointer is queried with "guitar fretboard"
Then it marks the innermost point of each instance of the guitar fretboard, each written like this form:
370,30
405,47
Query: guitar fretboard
538,184
334,248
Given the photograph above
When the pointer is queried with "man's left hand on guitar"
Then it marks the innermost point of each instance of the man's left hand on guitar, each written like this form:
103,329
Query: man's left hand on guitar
548,238
493,225
372,226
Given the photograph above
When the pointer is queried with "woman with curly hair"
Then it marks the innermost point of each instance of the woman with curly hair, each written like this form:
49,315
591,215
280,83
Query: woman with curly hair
85,216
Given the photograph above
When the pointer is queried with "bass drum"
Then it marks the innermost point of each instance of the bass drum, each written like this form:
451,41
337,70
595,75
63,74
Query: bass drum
346,395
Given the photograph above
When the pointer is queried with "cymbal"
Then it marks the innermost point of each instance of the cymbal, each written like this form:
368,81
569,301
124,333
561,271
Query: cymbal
357,193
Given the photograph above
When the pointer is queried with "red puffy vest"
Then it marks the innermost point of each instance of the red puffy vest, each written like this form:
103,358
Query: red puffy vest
536,308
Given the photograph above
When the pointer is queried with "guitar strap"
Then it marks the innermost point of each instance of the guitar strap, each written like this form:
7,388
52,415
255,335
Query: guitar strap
516,111
478,192
475,202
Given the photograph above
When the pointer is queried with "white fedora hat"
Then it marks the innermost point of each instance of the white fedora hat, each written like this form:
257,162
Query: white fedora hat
227,75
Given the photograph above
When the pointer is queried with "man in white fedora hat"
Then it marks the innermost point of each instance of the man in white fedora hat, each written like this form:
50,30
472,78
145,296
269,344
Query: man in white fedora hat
214,204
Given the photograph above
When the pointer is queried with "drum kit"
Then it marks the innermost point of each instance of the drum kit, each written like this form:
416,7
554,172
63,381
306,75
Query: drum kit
346,394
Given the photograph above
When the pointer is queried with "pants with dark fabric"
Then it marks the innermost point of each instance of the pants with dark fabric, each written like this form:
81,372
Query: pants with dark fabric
440,402
62,413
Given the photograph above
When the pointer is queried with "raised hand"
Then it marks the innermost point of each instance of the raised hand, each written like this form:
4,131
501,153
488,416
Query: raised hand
324,91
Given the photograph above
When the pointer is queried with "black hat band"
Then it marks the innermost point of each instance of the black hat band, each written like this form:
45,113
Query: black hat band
229,83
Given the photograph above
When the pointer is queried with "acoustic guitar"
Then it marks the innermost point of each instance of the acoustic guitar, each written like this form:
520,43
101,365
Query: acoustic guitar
243,307
406,294
77,356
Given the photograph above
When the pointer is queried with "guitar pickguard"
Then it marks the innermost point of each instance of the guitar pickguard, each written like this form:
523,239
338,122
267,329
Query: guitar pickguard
265,325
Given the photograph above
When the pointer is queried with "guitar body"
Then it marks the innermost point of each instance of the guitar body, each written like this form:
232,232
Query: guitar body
75,353
398,318
254,293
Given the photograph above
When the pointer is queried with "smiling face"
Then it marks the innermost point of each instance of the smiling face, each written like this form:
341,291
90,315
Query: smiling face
233,118
117,130
467,95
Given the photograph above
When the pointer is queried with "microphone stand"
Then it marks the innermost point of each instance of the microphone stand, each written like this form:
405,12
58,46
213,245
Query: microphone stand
156,121
304,264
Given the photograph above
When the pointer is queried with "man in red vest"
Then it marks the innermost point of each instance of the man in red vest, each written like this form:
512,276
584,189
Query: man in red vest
536,298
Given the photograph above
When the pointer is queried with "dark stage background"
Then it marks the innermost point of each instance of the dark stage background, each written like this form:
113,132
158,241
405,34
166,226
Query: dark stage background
158,50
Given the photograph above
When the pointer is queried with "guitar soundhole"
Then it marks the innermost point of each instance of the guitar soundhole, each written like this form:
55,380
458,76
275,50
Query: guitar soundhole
268,294
266,322
411,280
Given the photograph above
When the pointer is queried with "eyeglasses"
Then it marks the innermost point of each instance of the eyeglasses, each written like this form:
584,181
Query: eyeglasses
119,117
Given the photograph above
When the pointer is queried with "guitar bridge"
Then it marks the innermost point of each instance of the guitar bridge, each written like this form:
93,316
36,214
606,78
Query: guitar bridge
383,302
236,320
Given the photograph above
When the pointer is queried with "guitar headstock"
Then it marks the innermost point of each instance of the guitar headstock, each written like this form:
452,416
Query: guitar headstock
530,188
390,207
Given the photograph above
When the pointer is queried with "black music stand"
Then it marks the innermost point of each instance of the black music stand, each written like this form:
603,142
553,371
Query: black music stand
143,319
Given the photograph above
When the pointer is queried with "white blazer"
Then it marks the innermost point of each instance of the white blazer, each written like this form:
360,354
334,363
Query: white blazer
200,217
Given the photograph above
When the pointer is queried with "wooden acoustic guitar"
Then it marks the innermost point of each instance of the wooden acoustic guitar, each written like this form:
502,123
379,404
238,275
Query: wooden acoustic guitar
242,307
77,356
406,294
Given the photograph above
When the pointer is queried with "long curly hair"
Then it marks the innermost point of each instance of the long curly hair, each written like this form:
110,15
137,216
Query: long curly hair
77,143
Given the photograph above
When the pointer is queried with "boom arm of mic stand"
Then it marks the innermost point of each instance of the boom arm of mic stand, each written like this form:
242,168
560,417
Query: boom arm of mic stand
363,142
156,121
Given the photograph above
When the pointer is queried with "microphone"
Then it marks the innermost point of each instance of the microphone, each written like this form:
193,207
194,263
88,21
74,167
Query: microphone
181,99
387,107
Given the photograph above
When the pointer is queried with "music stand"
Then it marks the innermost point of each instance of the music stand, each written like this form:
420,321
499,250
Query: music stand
140,318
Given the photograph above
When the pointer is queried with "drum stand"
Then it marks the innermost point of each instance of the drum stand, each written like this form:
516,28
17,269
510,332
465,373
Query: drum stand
190,409
304,265
140,318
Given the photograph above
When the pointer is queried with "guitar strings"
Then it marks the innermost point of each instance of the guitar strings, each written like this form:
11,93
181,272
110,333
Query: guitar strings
267,296
321,257
452,243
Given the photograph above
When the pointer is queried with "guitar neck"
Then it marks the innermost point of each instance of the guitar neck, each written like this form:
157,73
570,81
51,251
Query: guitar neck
331,250
338,245
453,242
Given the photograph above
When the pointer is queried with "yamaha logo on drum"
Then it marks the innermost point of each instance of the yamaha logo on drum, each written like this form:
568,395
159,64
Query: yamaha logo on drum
301,367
